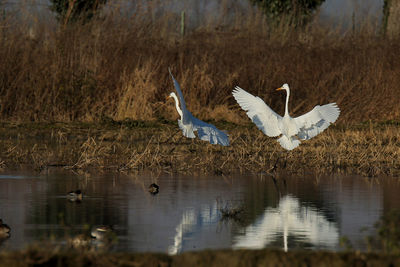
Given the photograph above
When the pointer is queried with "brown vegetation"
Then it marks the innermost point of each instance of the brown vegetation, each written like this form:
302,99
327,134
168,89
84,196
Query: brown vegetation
370,149
116,66
54,257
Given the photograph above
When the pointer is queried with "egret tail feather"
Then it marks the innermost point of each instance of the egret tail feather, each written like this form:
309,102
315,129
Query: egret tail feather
287,143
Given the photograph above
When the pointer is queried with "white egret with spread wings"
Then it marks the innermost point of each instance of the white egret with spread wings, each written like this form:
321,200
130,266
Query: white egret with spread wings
189,124
291,130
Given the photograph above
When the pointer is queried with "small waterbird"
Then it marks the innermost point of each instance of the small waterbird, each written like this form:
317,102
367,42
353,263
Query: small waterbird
75,196
154,188
102,232
4,229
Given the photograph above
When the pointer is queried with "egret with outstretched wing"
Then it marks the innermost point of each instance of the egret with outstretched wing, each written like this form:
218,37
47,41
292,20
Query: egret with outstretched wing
189,124
291,130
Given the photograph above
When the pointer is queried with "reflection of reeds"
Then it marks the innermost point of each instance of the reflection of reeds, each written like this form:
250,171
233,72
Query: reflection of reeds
116,66
229,211
368,150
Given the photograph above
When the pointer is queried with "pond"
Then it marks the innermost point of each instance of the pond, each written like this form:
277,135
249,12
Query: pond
189,212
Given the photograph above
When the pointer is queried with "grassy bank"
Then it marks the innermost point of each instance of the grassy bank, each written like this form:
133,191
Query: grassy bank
366,149
34,257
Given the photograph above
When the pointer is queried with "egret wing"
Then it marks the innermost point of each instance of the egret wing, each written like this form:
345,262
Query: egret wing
187,130
210,133
179,91
262,115
317,120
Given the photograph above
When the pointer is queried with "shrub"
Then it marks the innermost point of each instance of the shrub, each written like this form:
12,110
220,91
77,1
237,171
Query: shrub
73,10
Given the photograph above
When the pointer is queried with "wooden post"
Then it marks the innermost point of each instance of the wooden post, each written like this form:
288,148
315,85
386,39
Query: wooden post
392,18
182,23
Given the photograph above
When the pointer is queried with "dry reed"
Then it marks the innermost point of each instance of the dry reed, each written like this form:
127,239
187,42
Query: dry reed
116,66
368,150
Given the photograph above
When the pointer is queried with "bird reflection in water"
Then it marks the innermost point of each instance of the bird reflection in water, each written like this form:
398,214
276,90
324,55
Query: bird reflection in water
289,218
191,219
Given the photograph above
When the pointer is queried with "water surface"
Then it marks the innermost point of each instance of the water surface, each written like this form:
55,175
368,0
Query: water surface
291,213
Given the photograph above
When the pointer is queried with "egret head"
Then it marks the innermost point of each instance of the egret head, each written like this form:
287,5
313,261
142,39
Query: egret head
172,94
283,87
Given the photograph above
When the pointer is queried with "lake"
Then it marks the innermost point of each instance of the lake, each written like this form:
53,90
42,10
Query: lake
290,212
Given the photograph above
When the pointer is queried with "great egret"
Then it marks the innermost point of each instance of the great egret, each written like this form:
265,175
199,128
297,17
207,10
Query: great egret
292,130
189,124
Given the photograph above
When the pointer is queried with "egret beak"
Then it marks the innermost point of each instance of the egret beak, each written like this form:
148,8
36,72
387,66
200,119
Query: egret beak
280,88
167,98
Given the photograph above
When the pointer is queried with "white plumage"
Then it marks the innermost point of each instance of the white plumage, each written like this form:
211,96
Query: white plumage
291,130
189,124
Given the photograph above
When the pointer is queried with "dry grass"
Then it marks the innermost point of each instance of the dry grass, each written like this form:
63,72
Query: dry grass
116,66
369,150
54,257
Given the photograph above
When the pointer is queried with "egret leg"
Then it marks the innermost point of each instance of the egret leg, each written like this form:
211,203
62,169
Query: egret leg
275,168
272,171
169,138
284,158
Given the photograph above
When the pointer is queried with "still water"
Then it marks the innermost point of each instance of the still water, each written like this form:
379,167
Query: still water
293,213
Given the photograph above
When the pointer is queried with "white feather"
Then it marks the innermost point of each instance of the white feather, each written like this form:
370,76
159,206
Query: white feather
287,143
259,113
317,120
189,124
187,130
291,129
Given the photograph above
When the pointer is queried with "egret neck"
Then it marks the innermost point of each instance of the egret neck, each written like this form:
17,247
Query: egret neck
287,102
177,105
